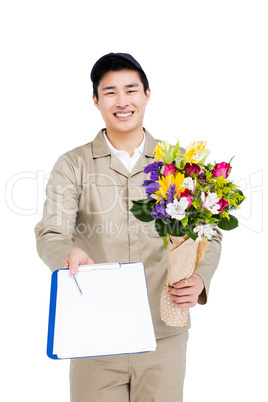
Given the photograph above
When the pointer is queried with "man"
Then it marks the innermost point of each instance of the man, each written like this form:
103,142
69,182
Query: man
87,219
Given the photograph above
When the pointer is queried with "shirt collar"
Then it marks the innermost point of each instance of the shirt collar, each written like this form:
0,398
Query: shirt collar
100,147
117,152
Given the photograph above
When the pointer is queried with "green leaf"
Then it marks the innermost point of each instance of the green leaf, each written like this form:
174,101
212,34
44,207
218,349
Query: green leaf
211,221
196,204
240,199
168,157
144,201
184,221
206,213
202,162
175,151
161,227
228,224
189,230
165,241
173,227
142,209
179,162
231,160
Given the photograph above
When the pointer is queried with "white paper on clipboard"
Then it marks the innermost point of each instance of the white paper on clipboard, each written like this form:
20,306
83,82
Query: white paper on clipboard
112,316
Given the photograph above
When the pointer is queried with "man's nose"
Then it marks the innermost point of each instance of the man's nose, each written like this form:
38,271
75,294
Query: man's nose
121,100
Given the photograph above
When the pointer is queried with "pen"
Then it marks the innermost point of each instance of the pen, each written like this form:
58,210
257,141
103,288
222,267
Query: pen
77,285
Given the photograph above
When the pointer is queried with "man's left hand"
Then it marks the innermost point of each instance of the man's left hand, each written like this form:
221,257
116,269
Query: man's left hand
185,293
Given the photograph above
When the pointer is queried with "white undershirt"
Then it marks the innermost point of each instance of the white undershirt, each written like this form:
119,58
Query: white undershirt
128,161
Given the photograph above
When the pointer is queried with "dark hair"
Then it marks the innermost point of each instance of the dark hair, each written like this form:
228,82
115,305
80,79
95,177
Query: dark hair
115,63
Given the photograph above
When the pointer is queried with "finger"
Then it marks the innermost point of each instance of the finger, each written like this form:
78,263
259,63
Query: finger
73,269
184,283
181,299
184,305
65,264
180,291
73,266
184,302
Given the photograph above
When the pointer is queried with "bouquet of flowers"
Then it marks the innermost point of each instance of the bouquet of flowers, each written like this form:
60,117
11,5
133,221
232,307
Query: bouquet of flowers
187,199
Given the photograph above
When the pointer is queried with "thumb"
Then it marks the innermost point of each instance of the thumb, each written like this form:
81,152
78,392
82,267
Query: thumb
76,258
73,266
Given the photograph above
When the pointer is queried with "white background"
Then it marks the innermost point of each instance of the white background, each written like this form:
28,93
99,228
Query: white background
207,66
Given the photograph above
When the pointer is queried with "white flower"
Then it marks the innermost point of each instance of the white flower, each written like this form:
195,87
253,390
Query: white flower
210,202
189,183
176,209
204,230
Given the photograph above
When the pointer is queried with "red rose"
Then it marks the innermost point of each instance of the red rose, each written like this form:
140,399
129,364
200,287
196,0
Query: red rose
169,169
222,203
192,168
222,169
186,194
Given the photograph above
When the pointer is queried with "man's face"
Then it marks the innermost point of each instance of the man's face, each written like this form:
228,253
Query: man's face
122,101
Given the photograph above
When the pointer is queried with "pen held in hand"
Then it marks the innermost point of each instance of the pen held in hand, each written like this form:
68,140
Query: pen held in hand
77,285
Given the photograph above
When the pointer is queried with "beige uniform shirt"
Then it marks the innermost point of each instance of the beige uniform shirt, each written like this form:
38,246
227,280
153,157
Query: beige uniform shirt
88,206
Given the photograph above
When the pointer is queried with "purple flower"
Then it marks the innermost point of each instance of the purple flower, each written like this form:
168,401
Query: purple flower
154,175
203,180
151,188
147,182
159,211
155,166
170,193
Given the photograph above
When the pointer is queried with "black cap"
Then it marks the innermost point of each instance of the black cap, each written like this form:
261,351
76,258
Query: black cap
124,56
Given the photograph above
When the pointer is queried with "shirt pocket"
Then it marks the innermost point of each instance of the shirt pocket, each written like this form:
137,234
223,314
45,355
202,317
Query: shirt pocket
101,195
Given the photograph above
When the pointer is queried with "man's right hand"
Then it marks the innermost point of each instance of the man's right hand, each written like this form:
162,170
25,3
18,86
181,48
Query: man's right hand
77,257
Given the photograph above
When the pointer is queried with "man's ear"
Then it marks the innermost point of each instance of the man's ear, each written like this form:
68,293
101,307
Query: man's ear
147,95
96,102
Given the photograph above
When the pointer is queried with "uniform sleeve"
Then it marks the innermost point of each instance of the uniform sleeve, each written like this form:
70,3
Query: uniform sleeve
54,232
209,264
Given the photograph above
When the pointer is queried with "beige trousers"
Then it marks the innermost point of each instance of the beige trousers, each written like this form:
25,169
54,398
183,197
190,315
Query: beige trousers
143,377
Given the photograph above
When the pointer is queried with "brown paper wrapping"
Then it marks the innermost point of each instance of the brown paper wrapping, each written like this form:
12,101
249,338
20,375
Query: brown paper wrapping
184,256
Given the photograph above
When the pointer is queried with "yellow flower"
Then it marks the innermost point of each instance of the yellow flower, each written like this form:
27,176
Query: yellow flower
196,151
159,152
166,181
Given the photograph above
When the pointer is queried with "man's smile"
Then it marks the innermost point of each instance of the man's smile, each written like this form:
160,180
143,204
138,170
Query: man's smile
123,116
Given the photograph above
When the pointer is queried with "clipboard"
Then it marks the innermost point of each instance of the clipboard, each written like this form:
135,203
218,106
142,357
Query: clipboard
111,316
